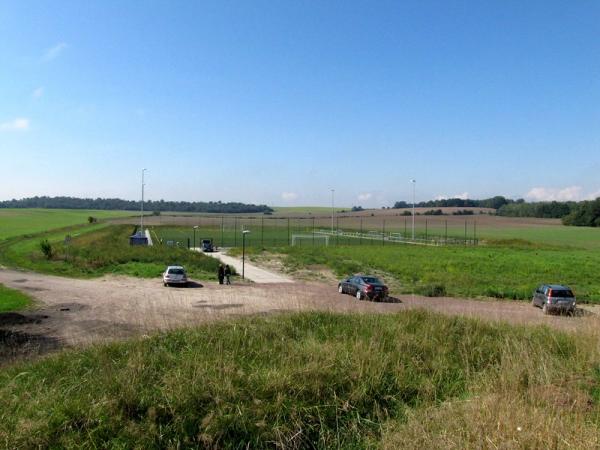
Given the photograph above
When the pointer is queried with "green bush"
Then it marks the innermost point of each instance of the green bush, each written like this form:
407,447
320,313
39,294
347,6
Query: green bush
46,249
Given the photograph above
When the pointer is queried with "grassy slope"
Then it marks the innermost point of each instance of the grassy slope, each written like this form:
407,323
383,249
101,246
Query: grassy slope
463,271
17,222
12,300
303,380
99,249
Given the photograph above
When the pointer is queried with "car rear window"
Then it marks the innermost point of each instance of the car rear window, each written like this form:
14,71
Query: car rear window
176,271
371,280
561,293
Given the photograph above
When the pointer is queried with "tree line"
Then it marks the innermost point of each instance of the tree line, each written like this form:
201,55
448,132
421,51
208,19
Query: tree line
493,202
584,213
131,205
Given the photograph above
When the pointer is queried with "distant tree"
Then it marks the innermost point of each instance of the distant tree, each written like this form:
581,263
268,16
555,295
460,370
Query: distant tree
584,214
357,208
156,213
91,219
46,249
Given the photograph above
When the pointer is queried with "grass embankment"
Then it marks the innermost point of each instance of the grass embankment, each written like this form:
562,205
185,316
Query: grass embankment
312,380
98,250
12,300
18,222
486,271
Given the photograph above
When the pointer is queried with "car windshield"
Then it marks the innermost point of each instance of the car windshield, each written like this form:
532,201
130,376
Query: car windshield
176,271
561,293
371,280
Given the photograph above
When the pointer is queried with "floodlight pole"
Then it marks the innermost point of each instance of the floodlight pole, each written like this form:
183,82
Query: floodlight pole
142,212
414,182
332,208
244,233
195,228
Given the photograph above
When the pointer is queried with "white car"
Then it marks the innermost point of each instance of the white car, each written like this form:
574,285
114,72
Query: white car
175,275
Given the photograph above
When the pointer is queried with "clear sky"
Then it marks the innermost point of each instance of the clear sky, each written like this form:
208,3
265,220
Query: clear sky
278,102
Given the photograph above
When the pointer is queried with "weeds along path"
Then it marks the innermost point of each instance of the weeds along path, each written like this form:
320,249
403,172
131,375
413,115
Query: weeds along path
75,311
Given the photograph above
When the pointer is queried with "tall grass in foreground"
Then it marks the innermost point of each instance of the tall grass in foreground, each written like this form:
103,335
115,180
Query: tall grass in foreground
311,380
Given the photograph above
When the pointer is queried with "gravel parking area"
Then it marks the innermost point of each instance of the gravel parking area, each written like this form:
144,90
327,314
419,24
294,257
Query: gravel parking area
74,312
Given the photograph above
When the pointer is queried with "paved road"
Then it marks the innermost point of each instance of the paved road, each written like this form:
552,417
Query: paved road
251,272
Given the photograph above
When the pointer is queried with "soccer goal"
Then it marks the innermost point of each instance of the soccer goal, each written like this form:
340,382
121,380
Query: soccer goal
310,239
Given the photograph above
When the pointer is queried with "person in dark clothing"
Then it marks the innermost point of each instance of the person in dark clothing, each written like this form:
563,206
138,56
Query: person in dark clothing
227,274
221,273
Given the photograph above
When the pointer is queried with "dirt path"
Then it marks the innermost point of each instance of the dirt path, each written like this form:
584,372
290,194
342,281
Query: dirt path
74,312
251,271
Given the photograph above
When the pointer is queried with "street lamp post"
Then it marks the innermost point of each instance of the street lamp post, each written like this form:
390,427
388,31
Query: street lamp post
244,233
195,228
414,182
332,208
142,212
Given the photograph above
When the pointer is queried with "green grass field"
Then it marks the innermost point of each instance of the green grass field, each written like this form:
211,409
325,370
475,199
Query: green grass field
11,300
100,249
17,222
311,380
502,272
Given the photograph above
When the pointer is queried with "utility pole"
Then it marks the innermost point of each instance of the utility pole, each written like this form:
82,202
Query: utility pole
142,212
414,182
332,208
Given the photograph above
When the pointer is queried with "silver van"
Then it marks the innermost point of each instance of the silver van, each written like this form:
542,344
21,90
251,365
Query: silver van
554,297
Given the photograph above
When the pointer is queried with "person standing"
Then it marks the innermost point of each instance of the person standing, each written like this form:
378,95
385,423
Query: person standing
221,273
227,274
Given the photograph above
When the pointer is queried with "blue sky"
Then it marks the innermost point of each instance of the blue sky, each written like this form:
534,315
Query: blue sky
278,102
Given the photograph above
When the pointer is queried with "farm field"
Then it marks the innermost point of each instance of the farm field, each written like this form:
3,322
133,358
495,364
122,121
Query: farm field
17,222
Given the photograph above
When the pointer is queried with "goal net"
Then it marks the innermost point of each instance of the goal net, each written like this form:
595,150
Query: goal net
310,239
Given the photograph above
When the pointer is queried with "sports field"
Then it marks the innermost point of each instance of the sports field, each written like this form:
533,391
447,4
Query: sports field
17,222
279,231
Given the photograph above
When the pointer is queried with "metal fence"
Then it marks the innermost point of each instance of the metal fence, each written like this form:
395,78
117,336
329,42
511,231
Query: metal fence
226,231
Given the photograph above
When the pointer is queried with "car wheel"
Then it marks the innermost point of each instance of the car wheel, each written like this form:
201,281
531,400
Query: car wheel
359,295
545,308
340,289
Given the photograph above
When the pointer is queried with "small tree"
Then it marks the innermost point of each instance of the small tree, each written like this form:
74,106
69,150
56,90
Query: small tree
91,219
46,248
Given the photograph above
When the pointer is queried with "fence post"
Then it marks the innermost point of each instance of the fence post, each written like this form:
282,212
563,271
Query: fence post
262,231
426,229
446,235
337,231
475,232
313,231
361,233
465,231
222,228
404,228
288,221
383,234
235,231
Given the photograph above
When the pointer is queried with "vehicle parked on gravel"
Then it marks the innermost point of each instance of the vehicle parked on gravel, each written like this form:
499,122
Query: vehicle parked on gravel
175,275
554,297
364,287
207,245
